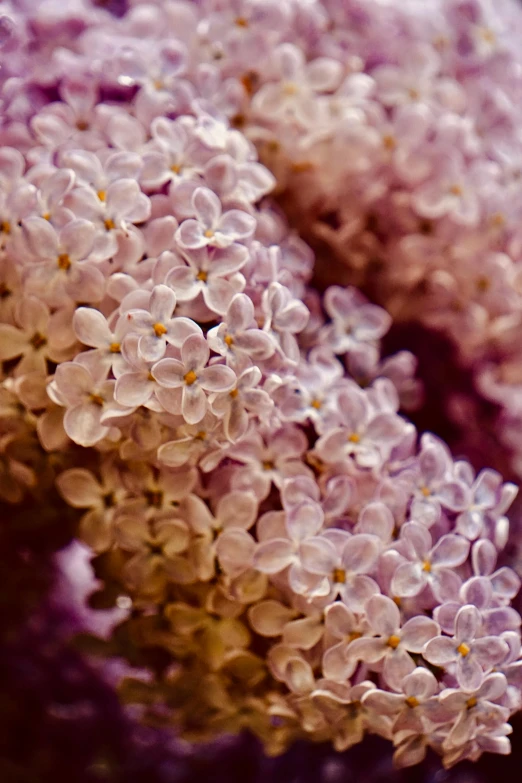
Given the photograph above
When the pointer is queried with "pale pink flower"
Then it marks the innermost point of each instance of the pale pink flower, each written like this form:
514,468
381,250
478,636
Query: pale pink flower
210,272
417,701
472,707
92,328
157,326
62,269
391,644
89,400
269,460
355,321
192,378
434,566
237,337
472,654
238,405
211,227
39,336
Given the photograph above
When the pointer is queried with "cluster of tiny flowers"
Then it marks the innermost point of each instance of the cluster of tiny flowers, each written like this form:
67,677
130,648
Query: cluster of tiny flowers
307,567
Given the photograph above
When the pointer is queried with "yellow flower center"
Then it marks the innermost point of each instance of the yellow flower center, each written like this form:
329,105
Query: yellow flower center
393,641
456,190
228,340
483,284
426,492
487,35
159,329
63,261
354,438
426,566
389,142
96,399
5,226
411,701
234,393
38,341
175,168
268,465
290,88
46,216
201,435
115,348
339,576
463,649
209,233
317,404
101,195
109,224
240,21
202,275
190,377
471,703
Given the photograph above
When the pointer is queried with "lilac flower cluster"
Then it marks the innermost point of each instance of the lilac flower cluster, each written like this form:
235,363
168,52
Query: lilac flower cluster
307,566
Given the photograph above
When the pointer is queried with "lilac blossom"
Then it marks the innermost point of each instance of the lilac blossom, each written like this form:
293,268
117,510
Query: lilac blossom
211,227
192,378
472,654
292,549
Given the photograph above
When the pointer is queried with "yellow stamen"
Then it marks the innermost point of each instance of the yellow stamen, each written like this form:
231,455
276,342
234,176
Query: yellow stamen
389,142
393,641
487,35
234,393
209,234
317,404
201,435
97,399
5,227
250,81
456,190
82,125
159,329
102,195
115,348
63,261
190,377
426,566
290,88
414,94
228,340
463,649
202,275
46,216
353,636
268,465
411,701
299,167
339,576
426,492
38,341
354,438
109,224
240,21
175,168
471,703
